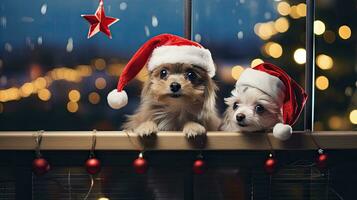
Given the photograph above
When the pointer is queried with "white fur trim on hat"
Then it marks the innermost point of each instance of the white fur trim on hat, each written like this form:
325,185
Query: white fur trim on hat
282,131
182,54
265,82
117,99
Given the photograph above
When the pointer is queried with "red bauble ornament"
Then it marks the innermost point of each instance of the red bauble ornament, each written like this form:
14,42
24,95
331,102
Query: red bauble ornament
321,161
140,165
40,166
199,166
93,166
270,165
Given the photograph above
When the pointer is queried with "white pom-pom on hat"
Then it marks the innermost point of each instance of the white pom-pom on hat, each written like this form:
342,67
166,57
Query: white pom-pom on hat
282,131
117,100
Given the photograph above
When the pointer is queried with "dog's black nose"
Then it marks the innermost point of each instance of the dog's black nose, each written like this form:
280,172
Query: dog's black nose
240,117
175,87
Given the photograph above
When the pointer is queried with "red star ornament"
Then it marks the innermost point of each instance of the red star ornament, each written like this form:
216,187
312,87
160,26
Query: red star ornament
99,22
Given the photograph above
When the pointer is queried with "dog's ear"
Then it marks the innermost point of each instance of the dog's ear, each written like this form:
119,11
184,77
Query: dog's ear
230,100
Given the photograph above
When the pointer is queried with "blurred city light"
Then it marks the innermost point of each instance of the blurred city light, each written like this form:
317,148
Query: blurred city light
325,62
353,116
256,62
237,71
100,83
72,107
44,94
319,27
283,8
322,82
94,98
74,95
281,24
300,56
344,32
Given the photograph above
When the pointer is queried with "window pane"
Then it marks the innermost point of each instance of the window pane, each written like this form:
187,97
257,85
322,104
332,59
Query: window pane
244,33
52,77
336,71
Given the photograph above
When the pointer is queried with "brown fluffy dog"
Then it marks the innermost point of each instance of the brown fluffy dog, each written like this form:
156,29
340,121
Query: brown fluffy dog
176,97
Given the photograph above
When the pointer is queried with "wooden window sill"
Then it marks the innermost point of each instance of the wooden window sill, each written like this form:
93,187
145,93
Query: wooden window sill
118,140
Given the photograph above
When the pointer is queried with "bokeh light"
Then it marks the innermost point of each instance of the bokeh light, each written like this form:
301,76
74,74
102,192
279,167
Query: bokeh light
40,83
300,56
274,50
301,9
74,95
283,8
322,82
99,64
44,94
237,71
353,116
256,62
335,122
72,107
344,32
324,62
26,89
329,36
281,25
100,83
319,27
94,98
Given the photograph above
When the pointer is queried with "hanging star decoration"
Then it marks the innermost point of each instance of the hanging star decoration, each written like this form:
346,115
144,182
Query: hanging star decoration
99,21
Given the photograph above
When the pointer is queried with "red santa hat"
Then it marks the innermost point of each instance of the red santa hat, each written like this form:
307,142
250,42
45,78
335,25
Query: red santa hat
161,49
282,88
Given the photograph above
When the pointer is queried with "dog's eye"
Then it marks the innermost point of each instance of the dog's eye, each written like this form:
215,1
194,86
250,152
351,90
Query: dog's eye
259,109
235,105
163,73
191,75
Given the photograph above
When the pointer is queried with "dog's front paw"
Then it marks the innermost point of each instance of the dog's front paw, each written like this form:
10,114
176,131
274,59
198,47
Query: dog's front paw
193,129
147,129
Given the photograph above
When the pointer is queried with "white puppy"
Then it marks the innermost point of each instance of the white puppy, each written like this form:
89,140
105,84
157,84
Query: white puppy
250,109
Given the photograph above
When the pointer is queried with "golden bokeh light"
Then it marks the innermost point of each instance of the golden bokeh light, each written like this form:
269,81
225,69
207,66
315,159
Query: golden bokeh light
84,70
319,27
40,83
283,8
256,62
72,107
353,116
300,56
99,64
44,94
237,71
324,62
301,9
265,30
344,32
322,82
281,25
94,98
329,36
274,50
26,89
103,198
100,83
294,13
74,95
335,122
